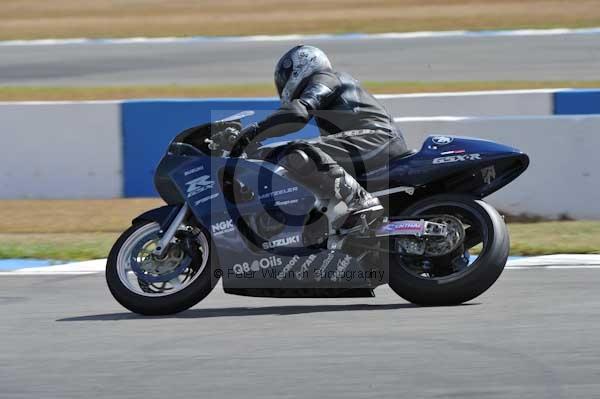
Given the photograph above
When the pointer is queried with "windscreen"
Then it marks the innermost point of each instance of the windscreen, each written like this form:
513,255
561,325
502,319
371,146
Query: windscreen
237,117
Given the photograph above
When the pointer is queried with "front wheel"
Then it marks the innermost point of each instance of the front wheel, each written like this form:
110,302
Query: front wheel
472,269
153,286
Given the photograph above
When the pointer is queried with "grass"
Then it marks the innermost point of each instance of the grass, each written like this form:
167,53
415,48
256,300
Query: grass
42,93
29,19
65,229
71,216
64,246
86,229
571,237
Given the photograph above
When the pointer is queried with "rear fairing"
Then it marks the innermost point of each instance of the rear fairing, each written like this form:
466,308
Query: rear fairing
447,164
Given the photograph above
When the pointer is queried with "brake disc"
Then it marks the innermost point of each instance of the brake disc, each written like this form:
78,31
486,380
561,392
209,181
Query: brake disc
440,246
157,270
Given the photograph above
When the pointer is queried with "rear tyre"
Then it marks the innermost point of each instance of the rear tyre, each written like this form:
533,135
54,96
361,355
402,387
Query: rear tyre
485,229
138,292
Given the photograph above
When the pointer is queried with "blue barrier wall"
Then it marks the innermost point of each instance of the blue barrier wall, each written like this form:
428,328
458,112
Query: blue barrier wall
577,102
149,125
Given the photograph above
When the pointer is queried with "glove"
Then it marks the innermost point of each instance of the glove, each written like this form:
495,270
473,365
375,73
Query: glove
244,140
225,135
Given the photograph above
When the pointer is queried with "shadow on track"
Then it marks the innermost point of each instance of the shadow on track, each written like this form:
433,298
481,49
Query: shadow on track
243,311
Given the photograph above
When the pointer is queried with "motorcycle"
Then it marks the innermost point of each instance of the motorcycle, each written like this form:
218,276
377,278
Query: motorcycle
233,216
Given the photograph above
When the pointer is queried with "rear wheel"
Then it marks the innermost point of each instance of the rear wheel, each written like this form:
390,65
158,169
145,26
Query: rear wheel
148,285
468,270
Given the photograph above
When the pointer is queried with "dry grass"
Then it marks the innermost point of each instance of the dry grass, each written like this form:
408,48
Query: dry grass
71,216
22,19
43,93
86,229
259,90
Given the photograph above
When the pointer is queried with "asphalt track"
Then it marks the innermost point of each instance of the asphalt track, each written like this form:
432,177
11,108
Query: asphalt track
533,335
551,57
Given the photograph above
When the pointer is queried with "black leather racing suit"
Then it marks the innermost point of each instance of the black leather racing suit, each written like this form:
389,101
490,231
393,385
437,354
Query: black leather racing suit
353,126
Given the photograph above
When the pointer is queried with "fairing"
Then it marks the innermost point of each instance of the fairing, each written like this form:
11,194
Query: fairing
453,164
248,264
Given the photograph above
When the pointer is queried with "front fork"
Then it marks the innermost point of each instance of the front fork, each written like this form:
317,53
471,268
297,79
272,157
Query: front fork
169,234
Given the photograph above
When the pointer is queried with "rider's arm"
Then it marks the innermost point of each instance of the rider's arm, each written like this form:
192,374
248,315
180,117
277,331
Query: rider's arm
293,116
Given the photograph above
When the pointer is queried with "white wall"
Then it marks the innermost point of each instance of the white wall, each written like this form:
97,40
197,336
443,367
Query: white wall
73,150
60,150
490,103
563,176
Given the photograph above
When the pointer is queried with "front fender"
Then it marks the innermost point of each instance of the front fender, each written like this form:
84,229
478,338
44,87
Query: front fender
163,215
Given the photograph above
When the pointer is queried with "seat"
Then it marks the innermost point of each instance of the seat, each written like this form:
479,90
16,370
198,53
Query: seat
379,178
366,163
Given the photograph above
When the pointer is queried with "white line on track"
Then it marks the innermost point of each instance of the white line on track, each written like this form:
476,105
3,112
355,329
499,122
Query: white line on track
49,273
282,38
443,118
549,262
86,267
552,267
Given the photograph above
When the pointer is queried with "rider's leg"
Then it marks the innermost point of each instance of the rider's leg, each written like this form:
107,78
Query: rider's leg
318,170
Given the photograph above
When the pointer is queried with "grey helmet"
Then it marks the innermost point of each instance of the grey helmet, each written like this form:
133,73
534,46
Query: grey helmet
295,66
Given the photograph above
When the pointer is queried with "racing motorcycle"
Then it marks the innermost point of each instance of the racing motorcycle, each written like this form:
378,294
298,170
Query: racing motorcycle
232,216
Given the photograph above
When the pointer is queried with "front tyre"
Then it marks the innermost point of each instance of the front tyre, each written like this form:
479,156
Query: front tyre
154,286
465,277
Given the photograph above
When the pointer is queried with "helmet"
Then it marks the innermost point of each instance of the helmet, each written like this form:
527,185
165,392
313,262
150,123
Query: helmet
296,65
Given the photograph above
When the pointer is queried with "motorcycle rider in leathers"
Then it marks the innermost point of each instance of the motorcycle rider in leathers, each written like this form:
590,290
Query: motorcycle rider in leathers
353,126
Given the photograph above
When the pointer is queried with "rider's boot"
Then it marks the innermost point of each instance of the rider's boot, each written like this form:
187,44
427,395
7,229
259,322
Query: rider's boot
358,200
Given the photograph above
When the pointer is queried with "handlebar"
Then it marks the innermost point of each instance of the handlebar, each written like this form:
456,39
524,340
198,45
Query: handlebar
228,141
230,138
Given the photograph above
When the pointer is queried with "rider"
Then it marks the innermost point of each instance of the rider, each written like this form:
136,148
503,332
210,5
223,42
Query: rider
353,126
